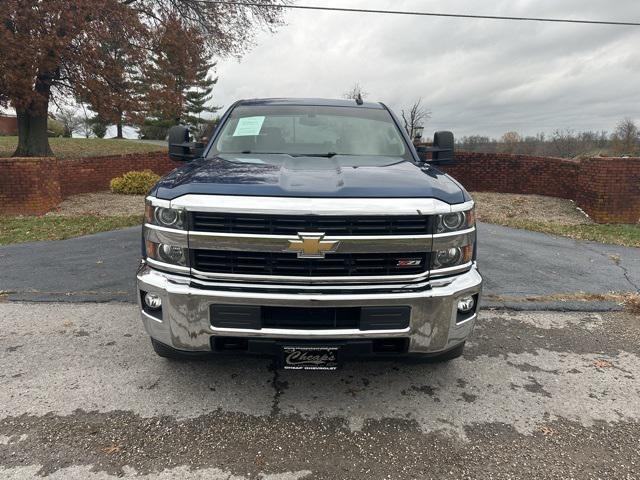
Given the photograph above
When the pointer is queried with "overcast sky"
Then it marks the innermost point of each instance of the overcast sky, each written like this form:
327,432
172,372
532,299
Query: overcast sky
476,76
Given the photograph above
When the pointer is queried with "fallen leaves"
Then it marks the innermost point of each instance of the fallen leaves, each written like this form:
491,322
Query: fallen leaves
600,363
547,431
112,449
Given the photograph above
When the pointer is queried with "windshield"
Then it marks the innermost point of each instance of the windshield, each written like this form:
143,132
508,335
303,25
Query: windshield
310,131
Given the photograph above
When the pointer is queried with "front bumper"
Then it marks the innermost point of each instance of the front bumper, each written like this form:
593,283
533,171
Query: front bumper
184,323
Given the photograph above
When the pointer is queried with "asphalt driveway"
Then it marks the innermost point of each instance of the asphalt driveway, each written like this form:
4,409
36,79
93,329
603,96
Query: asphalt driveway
537,394
543,395
515,264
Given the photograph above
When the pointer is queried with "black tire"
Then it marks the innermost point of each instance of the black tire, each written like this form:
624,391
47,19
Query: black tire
165,351
451,354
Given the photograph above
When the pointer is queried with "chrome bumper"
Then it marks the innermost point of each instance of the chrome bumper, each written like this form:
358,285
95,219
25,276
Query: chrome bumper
185,323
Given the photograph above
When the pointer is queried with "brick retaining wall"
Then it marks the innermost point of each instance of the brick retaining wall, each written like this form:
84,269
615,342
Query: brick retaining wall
94,174
608,189
34,186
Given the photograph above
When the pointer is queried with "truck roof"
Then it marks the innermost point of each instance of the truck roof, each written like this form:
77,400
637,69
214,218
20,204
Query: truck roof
322,102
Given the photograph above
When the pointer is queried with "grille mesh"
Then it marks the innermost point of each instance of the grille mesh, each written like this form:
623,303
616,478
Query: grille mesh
330,225
288,264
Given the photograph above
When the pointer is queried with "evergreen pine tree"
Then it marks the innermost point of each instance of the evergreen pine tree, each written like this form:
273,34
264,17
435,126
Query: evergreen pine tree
200,94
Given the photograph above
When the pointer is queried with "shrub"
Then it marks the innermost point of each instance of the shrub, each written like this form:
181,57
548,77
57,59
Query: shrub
98,127
134,183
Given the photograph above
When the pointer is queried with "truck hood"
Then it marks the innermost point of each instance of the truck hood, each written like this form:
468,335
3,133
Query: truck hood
286,176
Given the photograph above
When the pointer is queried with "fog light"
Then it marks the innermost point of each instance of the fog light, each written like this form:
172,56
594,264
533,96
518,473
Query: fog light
152,301
466,304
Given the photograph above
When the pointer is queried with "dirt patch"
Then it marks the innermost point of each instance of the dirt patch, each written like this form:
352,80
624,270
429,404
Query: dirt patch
101,204
502,207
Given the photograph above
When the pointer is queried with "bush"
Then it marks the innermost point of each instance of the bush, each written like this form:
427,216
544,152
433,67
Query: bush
134,183
98,127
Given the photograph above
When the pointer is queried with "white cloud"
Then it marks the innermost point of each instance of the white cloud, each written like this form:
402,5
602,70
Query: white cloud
477,76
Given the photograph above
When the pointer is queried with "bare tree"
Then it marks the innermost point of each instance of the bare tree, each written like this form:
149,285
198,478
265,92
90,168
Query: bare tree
355,92
86,123
415,117
626,137
69,119
565,143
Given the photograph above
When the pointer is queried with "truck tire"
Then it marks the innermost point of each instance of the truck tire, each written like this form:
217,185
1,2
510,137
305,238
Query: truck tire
451,354
165,351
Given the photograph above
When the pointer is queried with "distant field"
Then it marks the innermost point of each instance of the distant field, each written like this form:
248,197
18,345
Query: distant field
85,147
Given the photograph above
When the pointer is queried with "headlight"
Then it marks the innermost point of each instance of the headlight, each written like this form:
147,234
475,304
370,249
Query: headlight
165,253
454,221
165,217
452,257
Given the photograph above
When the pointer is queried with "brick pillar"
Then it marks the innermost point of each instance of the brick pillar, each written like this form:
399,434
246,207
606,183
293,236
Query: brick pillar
29,186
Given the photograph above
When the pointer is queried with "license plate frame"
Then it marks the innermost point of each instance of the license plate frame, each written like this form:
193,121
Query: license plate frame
310,357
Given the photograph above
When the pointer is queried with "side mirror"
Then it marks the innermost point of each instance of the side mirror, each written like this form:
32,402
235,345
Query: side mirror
442,151
180,148
443,148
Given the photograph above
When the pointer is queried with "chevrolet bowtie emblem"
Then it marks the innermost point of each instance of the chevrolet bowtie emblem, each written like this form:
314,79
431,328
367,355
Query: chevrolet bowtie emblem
311,245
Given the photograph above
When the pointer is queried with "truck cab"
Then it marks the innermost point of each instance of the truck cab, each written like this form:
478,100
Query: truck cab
310,230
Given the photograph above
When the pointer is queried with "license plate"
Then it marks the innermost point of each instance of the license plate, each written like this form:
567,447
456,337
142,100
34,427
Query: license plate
310,358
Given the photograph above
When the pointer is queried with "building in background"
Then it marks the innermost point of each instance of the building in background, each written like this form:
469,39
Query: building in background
8,124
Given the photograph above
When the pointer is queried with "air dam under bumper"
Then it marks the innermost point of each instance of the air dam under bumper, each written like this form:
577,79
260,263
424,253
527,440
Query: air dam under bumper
185,323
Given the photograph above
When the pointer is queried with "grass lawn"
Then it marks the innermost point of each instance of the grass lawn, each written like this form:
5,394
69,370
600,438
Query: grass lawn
554,216
50,227
85,147
626,235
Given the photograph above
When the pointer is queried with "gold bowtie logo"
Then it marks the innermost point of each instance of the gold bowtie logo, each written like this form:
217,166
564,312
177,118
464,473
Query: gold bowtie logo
311,245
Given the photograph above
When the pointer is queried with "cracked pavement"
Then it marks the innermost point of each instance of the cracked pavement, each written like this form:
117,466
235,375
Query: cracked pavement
537,394
552,393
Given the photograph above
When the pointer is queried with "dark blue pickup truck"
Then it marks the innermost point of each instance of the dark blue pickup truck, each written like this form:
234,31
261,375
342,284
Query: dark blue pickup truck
310,230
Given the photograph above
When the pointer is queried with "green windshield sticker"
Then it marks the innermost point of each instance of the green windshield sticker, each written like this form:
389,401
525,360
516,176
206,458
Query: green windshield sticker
248,126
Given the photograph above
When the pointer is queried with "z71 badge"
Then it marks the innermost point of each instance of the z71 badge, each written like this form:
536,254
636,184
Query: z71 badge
409,262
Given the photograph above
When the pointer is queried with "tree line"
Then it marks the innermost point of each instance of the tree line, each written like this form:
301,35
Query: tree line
567,143
141,62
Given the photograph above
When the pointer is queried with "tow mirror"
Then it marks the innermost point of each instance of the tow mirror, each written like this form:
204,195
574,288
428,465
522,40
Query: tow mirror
180,148
442,150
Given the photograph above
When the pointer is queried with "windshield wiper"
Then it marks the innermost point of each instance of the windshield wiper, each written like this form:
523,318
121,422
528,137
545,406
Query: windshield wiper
324,155
247,152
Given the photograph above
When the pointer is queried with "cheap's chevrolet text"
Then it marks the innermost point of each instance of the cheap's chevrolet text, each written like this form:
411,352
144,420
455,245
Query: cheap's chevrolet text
310,230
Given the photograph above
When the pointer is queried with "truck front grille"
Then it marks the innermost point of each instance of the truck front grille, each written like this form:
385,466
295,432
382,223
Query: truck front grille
292,224
288,264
